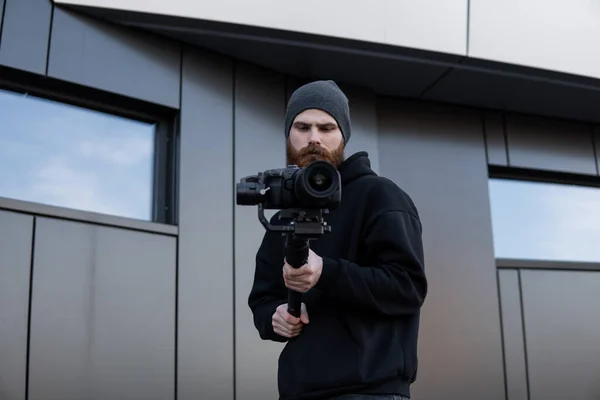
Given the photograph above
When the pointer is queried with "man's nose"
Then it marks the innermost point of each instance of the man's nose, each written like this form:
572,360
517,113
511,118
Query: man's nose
314,138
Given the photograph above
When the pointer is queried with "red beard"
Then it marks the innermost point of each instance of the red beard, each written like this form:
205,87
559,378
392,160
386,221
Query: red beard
313,152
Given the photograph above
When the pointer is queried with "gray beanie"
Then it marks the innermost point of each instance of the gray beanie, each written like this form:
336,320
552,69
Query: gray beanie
322,95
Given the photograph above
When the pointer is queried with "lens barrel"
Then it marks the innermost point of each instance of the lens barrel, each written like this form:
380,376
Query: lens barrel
317,182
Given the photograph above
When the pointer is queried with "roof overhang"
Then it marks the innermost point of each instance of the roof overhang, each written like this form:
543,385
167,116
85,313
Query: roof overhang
387,69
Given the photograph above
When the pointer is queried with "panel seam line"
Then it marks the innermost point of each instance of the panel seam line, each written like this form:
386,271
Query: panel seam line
49,37
2,20
485,139
468,25
175,215
29,307
524,333
233,90
503,344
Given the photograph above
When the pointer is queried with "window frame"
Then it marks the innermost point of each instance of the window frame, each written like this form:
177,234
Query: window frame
166,139
544,176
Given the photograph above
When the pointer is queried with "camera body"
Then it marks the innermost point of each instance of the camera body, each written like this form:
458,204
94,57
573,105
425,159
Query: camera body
316,186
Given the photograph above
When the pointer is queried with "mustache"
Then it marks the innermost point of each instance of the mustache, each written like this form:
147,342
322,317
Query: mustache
313,149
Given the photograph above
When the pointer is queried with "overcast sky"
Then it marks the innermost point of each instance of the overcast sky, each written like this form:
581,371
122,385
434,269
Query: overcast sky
56,154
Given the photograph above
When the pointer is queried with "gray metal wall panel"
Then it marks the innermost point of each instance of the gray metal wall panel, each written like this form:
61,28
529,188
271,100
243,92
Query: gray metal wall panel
103,313
16,231
550,145
363,111
597,147
512,326
562,333
205,344
25,32
259,145
437,155
115,59
495,138
292,83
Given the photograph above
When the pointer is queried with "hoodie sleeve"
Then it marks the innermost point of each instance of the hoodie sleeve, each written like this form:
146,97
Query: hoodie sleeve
268,288
394,284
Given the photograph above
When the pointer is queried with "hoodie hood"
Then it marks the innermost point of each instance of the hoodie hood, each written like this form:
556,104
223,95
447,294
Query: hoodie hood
354,167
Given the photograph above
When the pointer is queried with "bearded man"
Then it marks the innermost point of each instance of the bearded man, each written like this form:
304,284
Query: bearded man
364,283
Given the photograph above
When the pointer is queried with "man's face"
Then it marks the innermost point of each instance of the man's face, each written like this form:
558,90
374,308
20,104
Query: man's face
315,135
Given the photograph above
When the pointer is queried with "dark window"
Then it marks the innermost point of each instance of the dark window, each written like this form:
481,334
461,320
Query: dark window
69,156
545,221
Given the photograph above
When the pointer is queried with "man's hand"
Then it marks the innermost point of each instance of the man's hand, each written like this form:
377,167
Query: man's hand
304,278
285,324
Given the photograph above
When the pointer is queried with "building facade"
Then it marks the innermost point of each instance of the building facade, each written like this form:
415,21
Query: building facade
125,264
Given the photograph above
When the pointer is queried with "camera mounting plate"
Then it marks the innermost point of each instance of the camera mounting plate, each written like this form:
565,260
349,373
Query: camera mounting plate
304,223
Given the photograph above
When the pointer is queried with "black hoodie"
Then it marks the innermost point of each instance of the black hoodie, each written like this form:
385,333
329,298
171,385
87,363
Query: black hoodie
364,310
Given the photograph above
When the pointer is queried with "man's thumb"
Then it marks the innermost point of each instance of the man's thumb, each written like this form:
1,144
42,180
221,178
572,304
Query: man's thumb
304,315
304,318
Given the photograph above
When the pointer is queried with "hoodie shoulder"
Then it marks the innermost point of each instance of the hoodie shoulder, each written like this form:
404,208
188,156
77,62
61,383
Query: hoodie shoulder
384,195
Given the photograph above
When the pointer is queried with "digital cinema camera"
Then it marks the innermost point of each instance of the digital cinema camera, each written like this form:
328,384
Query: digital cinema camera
304,196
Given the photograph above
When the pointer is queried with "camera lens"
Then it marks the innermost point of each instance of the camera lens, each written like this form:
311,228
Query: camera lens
319,180
316,183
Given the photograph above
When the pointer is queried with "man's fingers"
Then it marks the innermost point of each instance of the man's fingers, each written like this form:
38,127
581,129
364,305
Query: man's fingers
287,325
278,330
297,284
285,329
290,271
297,287
286,334
297,279
289,318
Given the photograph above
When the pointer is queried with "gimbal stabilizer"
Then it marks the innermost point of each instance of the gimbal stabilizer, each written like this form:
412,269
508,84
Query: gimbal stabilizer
304,196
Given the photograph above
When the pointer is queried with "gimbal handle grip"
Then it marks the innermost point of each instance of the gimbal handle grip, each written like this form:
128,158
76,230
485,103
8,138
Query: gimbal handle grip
296,255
